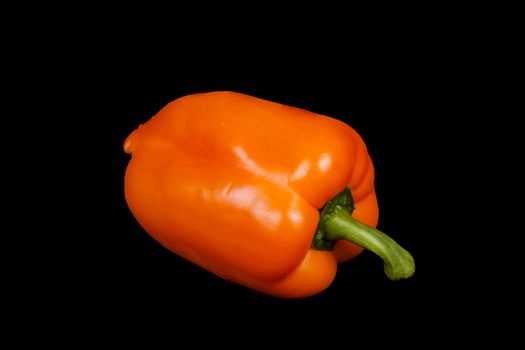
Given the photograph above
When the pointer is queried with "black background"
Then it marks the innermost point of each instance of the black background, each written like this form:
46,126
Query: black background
417,84
399,94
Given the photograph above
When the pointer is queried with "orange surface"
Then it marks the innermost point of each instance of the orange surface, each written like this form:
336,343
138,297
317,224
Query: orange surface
234,184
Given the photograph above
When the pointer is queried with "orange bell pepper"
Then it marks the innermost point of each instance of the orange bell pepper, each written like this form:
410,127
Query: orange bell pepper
235,184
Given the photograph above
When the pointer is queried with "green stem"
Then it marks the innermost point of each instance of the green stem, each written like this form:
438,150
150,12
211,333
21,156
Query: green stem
398,262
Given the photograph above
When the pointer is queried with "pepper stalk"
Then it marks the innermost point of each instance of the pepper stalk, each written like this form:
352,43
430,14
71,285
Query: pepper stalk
336,222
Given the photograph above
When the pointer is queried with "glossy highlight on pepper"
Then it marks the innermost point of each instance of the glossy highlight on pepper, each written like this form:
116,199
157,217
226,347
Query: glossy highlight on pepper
235,184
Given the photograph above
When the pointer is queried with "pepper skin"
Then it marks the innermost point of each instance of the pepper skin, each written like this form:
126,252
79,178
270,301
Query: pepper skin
234,184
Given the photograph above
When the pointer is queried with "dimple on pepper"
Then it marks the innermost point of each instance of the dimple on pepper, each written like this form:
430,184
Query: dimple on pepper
265,195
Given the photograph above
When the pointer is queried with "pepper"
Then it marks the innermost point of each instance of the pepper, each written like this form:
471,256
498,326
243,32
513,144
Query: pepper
265,195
